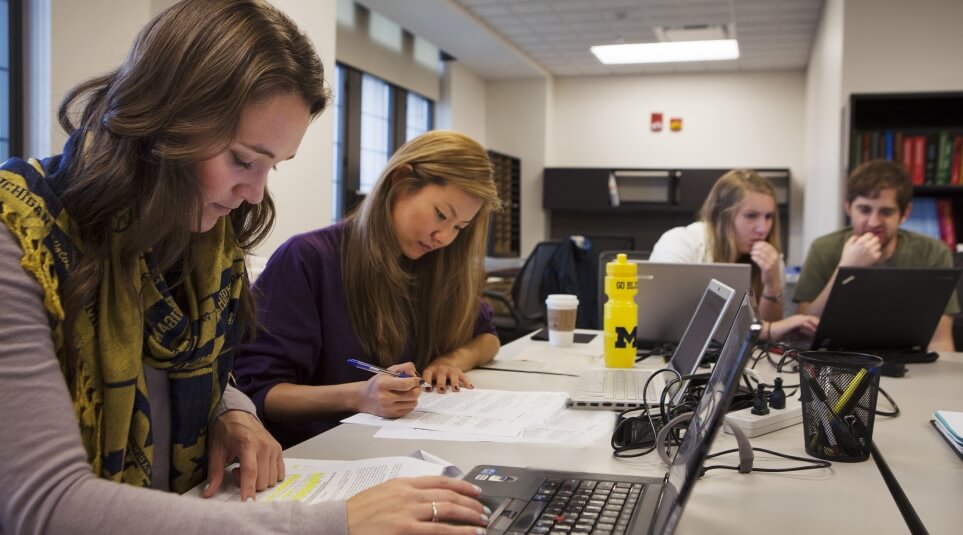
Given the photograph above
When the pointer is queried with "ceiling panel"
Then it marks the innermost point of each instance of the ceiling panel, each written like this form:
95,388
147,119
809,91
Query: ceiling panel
557,34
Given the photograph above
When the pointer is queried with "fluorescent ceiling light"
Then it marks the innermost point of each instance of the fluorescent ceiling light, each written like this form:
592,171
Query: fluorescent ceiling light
667,52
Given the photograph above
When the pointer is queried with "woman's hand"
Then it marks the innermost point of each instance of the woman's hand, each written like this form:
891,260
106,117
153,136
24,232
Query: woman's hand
443,371
418,505
764,255
239,435
390,397
803,323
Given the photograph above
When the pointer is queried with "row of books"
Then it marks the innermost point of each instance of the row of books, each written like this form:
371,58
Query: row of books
933,217
930,159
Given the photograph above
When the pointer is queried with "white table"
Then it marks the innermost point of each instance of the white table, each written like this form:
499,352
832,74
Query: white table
848,498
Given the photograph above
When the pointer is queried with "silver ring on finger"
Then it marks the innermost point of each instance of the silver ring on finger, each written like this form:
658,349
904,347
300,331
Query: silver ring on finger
434,512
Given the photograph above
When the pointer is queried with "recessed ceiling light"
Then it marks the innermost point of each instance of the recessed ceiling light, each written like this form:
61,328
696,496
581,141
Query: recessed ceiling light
679,51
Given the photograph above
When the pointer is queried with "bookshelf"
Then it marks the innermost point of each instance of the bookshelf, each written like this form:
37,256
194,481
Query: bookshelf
504,237
639,203
924,133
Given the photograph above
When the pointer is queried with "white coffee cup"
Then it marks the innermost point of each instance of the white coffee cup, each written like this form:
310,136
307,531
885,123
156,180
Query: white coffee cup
562,309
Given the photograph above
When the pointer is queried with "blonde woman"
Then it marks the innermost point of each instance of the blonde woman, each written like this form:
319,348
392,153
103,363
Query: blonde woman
397,284
739,222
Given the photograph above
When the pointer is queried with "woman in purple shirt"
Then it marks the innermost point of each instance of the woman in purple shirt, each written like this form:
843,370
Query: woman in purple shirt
397,284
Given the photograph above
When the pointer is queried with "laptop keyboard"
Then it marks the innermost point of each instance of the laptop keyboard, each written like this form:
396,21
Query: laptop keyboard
617,384
576,506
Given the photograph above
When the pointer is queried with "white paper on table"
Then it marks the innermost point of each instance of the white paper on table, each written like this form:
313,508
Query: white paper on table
477,411
498,404
566,428
408,433
312,480
500,427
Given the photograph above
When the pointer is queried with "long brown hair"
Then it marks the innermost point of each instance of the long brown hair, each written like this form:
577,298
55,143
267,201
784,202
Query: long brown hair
176,100
433,300
719,214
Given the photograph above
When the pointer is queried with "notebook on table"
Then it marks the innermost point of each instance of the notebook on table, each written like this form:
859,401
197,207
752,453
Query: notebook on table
887,311
528,500
668,293
621,388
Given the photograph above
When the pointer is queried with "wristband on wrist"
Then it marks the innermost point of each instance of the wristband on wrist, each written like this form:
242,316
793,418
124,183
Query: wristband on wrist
773,298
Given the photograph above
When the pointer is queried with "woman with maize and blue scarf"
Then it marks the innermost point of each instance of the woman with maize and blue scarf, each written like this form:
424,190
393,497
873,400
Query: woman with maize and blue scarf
125,294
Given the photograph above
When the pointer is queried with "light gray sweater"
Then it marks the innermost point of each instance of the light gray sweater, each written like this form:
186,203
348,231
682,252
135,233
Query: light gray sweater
48,486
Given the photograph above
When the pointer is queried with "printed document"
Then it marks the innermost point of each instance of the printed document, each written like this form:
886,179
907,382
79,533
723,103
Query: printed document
311,480
494,416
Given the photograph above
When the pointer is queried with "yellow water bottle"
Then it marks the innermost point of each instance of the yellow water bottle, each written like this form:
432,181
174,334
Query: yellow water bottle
621,313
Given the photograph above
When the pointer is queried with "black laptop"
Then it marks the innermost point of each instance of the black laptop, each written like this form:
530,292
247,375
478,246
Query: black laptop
529,500
887,311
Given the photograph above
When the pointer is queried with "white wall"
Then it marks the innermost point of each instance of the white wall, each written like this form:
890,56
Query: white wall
76,54
302,187
896,46
516,125
822,211
729,120
462,104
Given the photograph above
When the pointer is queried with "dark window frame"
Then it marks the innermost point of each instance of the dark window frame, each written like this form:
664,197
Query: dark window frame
350,149
15,77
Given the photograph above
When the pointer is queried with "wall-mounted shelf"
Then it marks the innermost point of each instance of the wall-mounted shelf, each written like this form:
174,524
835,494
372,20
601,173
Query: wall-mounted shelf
504,236
638,203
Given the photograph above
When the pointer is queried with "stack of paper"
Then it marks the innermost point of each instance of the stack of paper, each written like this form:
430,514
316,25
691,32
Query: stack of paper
480,415
950,424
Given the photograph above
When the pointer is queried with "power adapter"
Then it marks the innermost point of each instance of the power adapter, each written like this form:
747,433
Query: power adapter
632,432
754,425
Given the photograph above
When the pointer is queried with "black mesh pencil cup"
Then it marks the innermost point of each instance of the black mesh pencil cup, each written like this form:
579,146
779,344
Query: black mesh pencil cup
838,393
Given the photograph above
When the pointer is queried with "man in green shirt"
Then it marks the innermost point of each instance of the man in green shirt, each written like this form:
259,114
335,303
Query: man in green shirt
878,195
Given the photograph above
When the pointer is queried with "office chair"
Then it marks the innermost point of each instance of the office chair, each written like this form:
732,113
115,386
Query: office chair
526,305
604,258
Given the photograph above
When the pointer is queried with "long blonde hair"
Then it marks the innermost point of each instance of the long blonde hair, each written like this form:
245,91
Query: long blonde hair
434,300
719,214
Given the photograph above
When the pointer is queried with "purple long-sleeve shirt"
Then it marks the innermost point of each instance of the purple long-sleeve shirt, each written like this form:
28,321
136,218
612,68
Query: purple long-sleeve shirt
305,335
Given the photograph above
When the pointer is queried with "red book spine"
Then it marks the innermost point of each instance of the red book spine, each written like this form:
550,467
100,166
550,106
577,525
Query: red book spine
907,154
944,212
957,160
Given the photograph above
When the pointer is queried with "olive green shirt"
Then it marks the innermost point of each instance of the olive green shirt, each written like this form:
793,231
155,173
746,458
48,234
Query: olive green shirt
912,250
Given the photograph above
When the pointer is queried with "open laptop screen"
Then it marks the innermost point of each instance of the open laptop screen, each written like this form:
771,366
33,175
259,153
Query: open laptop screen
698,335
687,465
885,308
669,292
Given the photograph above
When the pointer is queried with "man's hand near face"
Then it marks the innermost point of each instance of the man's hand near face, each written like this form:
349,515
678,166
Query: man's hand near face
861,251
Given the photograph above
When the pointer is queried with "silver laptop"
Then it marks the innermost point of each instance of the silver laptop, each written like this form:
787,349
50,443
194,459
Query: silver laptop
621,388
529,500
668,293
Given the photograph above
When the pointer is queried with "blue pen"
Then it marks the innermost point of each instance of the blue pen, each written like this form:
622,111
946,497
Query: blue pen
378,369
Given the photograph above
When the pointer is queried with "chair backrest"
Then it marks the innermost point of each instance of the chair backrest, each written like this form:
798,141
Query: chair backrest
527,288
604,258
